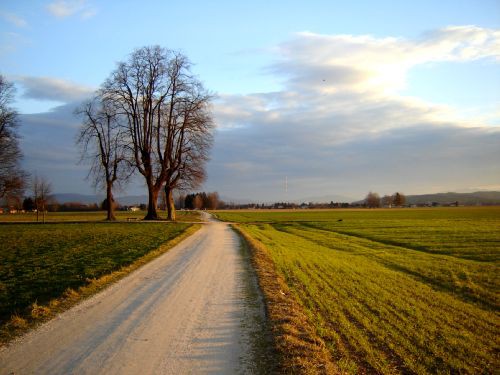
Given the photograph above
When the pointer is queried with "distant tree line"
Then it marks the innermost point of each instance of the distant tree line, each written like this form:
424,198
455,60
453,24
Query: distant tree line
285,205
201,201
373,200
51,205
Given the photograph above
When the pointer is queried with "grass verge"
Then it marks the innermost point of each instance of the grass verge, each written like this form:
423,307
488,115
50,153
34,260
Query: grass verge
36,313
299,349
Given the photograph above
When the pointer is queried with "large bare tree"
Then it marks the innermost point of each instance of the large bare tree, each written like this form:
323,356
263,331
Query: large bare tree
168,120
102,140
12,178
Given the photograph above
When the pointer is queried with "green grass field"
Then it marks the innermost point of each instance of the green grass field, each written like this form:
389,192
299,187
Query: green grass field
92,216
392,291
40,262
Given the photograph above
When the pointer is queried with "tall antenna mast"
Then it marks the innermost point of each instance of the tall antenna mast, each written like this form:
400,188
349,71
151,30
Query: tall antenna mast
286,189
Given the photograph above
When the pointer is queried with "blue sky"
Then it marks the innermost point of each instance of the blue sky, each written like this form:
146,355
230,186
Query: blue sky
421,74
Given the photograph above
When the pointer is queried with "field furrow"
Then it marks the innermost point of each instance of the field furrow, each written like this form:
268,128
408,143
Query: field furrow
472,281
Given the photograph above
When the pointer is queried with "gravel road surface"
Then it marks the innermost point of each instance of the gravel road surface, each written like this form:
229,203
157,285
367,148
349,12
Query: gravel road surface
193,310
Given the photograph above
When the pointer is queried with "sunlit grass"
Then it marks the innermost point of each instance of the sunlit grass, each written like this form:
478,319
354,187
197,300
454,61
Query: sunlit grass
392,291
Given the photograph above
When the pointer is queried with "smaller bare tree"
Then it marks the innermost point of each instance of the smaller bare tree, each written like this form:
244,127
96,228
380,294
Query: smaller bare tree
102,142
193,126
41,190
372,200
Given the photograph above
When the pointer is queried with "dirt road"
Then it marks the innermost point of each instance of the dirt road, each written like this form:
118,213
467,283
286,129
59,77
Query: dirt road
193,310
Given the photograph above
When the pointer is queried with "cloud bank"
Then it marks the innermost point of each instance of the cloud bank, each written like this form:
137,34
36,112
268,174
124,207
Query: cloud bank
54,89
339,126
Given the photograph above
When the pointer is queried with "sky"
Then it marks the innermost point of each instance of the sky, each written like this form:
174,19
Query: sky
339,98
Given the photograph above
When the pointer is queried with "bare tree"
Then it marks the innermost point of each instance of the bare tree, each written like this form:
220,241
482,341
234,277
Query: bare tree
191,133
372,200
398,199
169,124
12,178
41,190
102,141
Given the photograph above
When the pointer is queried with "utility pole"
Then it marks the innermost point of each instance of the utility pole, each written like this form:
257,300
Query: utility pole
286,189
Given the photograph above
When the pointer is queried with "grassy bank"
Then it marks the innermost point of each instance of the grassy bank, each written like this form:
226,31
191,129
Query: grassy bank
391,291
46,268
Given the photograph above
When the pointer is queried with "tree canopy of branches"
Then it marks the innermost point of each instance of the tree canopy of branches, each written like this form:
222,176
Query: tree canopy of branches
103,139
12,178
168,119
372,200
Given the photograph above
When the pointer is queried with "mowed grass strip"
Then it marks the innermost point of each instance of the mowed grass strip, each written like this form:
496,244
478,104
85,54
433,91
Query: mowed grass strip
392,291
40,264
375,318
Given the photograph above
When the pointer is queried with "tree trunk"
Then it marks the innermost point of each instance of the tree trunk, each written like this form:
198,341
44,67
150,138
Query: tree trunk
170,203
152,204
111,206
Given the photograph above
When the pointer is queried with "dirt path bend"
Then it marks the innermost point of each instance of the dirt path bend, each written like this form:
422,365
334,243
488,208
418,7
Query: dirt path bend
193,310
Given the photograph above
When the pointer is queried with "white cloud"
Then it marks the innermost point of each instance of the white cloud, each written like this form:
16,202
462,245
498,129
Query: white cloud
339,125
67,8
52,89
13,19
328,63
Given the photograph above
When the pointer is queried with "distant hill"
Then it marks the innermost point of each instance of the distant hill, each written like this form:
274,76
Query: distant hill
132,200
82,198
479,197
